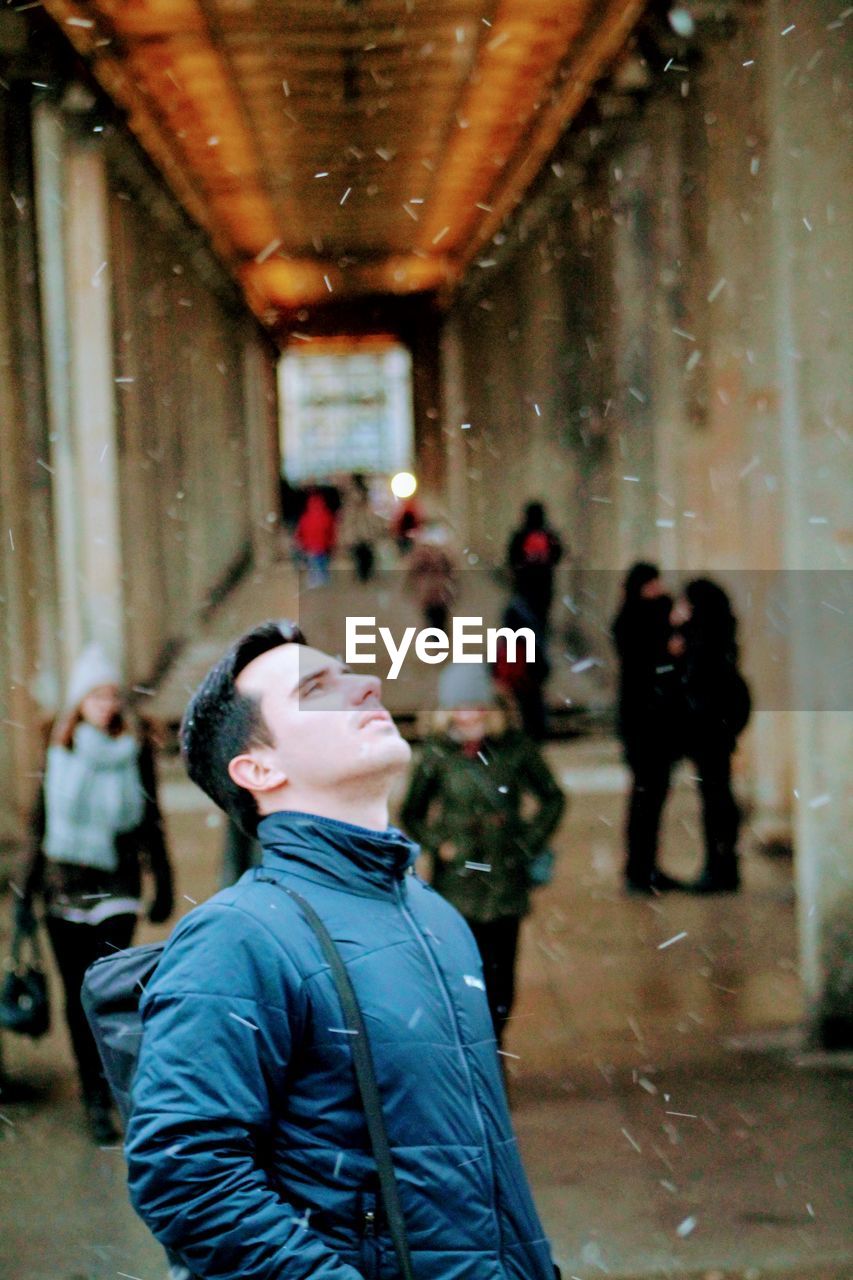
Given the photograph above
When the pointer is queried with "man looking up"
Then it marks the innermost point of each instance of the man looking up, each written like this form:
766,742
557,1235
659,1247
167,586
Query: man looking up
247,1148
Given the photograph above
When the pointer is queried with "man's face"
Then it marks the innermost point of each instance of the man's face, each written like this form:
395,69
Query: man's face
327,723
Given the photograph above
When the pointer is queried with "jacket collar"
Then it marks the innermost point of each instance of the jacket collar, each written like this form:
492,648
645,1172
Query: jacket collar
335,853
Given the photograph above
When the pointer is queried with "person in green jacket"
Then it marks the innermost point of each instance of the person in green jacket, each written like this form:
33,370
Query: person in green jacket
464,807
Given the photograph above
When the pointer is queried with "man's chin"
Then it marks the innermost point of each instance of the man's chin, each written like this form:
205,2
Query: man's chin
397,753
395,747
384,747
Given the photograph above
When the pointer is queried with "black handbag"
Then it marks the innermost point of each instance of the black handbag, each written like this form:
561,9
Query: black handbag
111,992
540,869
24,1005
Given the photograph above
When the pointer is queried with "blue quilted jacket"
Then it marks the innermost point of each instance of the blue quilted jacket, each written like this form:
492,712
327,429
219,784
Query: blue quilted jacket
247,1148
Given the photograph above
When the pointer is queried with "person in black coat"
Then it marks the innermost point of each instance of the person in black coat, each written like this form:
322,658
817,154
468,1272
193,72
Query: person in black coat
646,718
714,707
533,553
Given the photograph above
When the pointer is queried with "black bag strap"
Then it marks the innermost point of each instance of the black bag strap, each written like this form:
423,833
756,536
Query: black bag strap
366,1077
25,949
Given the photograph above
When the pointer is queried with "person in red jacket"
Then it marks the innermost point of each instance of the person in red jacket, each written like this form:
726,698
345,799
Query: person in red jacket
315,537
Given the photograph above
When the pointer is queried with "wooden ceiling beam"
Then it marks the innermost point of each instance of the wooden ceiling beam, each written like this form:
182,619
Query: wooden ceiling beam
398,55
108,66
268,75
390,37
587,65
298,282
496,145
241,110
266,223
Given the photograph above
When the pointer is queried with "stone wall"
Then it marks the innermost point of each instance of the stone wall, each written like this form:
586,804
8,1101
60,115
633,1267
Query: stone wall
138,420
675,299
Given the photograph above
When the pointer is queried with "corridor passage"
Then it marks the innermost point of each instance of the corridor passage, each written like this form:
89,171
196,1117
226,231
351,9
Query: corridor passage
671,1123
527,312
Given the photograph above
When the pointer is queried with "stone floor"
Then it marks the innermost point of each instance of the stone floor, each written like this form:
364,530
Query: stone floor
671,1124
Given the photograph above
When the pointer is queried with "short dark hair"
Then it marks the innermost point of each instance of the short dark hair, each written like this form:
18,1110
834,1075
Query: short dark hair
534,516
220,722
637,577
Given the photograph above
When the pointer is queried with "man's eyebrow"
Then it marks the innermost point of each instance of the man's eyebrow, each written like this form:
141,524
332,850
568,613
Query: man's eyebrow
319,672
316,674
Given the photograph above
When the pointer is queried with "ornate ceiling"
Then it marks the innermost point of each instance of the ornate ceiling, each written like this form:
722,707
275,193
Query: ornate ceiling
334,148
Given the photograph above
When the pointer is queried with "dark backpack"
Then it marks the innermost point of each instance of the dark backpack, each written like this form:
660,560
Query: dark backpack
114,985
112,989
111,992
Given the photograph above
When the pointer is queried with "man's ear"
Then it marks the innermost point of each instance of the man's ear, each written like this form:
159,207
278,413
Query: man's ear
254,775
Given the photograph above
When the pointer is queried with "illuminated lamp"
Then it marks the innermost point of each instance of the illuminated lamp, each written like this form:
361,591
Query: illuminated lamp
403,484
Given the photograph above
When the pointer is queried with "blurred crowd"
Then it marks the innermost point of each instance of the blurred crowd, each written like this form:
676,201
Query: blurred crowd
481,801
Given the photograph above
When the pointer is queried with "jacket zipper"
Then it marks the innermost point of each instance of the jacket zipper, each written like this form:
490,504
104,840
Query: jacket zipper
370,1254
410,920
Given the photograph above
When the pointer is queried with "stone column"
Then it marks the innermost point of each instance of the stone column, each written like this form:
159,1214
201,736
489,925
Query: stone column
730,450
455,427
49,147
807,100
92,396
19,743
74,255
630,176
551,472
423,342
495,448
260,398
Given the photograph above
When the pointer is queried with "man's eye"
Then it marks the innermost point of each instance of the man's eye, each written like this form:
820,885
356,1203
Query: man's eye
311,687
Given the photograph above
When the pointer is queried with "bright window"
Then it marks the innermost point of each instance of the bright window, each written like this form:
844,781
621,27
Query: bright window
345,408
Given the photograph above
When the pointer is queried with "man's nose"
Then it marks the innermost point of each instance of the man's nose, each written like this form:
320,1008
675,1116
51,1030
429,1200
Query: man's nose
365,688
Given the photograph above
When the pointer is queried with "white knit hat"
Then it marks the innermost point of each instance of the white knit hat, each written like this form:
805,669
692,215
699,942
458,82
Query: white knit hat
464,684
92,670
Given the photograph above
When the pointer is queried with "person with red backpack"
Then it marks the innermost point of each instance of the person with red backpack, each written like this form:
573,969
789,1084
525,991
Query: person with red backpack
533,553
